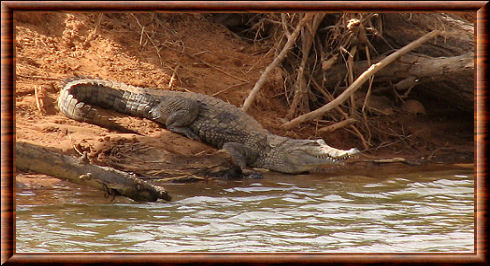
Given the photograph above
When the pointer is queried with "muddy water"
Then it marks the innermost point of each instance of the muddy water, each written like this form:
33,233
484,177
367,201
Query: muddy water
415,211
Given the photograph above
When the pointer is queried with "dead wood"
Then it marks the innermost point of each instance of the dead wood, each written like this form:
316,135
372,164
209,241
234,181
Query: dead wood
337,125
159,160
112,181
390,160
457,36
332,50
300,99
373,69
456,72
275,63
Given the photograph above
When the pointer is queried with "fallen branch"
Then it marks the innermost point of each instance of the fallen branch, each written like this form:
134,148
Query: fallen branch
337,125
149,38
230,87
387,161
359,81
39,95
36,77
300,101
447,78
216,67
172,78
425,68
112,181
394,160
346,116
275,63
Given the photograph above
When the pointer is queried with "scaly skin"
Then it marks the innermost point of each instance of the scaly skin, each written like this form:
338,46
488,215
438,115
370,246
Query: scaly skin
199,117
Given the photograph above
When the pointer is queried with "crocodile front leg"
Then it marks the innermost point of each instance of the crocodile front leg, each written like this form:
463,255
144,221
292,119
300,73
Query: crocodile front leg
178,121
240,156
238,153
176,114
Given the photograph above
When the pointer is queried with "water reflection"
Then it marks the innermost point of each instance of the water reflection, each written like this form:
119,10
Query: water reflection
414,212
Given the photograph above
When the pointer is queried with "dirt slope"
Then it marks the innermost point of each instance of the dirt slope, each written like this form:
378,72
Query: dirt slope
164,51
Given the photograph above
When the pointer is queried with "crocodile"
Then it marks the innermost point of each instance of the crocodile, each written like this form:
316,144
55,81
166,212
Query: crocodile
199,117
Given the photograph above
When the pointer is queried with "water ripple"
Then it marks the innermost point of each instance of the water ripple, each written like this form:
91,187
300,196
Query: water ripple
419,212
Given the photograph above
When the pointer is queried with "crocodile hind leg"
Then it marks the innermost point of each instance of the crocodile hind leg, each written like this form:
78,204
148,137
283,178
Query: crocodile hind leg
240,155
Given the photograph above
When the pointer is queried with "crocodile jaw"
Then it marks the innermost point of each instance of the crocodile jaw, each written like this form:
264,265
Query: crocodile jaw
323,151
296,156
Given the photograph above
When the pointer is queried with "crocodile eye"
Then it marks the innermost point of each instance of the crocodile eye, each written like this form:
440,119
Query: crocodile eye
154,114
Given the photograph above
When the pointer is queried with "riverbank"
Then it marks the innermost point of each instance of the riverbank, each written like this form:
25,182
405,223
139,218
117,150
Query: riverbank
187,52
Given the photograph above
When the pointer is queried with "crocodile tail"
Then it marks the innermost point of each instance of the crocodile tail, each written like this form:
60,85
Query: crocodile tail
80,98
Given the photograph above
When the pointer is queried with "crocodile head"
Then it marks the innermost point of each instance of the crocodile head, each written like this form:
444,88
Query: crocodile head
295,156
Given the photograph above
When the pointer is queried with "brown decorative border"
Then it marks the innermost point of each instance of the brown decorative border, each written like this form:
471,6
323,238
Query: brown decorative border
8,255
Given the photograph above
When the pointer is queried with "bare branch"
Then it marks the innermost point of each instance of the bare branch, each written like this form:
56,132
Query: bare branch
360,80
337,125
275,63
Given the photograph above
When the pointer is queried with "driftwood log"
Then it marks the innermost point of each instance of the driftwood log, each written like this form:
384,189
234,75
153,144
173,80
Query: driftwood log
443,68
449,58
112,181
400,29
447,78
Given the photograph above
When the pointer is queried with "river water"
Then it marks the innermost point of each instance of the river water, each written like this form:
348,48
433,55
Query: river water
369,211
